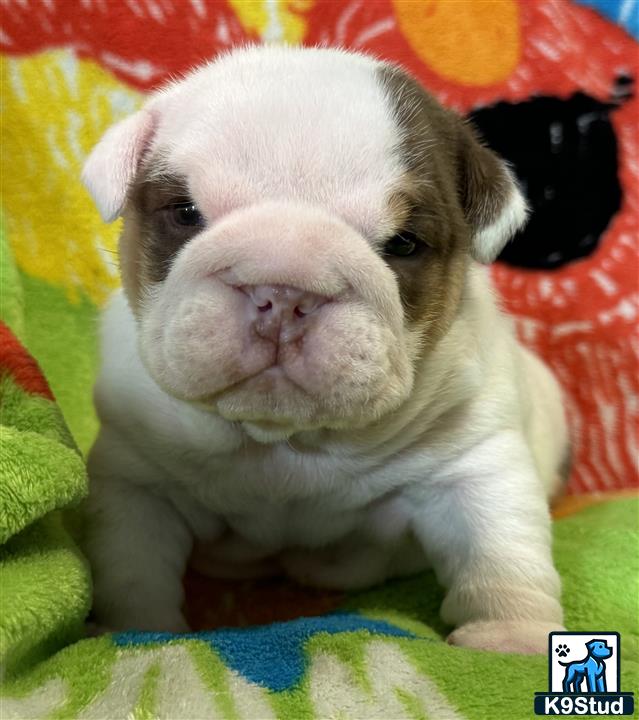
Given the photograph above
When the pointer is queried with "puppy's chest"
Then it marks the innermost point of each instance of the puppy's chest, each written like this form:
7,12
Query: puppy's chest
274,499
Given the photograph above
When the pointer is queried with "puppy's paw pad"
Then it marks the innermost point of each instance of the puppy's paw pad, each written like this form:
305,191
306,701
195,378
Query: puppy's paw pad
506,636
562,650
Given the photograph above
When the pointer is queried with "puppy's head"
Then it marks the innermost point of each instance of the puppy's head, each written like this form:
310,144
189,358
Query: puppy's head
297,229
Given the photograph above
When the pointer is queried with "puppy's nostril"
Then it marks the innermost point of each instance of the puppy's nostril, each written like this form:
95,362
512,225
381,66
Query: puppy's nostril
282,301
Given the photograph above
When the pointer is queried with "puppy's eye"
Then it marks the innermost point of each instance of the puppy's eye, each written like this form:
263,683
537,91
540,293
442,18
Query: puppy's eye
403,244
185,214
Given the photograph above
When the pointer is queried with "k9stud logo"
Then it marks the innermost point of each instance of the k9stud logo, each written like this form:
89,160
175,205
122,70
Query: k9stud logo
583,676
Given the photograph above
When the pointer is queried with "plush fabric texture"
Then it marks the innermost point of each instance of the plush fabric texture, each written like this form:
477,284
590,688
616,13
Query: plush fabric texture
44,580
269,649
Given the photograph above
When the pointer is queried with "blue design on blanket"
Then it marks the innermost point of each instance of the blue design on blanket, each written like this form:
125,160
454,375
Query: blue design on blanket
269,655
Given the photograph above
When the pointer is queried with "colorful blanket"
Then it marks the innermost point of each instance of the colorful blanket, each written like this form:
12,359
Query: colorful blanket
558,68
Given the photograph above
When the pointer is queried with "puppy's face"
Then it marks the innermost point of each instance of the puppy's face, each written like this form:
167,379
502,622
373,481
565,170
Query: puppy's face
298,225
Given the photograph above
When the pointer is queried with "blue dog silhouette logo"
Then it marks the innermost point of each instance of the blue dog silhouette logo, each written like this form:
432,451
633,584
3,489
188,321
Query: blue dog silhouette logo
592,669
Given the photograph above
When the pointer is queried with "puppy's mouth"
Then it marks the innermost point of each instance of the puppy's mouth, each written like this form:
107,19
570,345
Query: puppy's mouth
274,378
271,380
265,409
269,422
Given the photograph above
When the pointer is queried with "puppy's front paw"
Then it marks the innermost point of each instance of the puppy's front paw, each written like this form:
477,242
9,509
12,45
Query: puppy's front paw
506,636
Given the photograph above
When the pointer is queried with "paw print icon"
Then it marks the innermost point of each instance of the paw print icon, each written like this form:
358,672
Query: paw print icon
562,650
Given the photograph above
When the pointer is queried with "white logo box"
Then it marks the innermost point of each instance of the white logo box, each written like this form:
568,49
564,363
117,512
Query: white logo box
575,643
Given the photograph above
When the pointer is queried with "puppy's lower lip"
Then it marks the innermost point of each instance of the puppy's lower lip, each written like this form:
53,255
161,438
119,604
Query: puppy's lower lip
271,424
275,371
278,372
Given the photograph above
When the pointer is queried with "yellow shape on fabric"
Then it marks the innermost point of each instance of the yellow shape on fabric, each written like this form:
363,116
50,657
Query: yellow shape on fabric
252,14
472,42
55,108
276,20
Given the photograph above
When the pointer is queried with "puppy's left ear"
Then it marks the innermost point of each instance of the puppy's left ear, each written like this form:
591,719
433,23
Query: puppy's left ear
492,202
113,163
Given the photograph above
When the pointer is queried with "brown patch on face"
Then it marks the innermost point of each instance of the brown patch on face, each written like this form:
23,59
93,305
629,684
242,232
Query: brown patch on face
427,207
452,188
151,238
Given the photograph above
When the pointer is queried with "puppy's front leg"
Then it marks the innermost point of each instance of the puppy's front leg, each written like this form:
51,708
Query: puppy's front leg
138,546
484,523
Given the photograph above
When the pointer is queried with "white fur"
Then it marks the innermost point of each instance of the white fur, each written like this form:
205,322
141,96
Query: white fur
378,461
110,168
490,240
319,142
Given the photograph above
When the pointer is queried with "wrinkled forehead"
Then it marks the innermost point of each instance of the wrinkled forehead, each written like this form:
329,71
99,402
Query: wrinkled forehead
314,128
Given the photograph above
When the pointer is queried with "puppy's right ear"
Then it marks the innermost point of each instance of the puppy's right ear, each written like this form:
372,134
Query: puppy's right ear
111,167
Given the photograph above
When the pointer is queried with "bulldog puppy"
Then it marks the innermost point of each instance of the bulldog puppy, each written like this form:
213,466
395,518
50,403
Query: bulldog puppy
307,371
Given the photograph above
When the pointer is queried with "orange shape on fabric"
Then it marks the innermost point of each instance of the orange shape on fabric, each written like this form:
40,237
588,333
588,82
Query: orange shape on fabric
17,362
472,42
